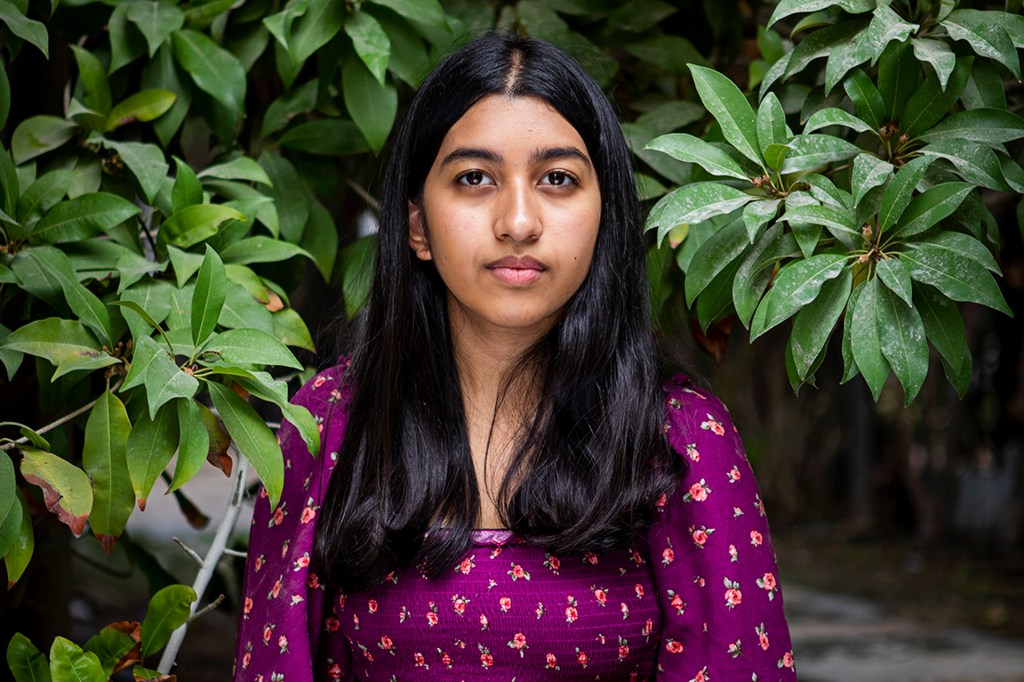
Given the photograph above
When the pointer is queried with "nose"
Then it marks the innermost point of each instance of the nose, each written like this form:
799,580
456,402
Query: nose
518,213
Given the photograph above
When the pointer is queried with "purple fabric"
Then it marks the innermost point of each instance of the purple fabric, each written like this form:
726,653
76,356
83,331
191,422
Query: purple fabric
697,601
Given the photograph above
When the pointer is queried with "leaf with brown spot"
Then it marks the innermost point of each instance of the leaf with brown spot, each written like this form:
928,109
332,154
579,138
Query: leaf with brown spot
67,491
219,441
195,518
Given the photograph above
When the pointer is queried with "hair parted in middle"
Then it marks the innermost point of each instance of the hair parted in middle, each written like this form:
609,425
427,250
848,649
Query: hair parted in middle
592,459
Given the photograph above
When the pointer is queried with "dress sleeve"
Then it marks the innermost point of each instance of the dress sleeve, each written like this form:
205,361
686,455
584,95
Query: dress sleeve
713,563
282,635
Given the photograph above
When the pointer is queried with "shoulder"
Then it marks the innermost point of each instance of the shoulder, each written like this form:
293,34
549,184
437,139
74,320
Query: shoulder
693,413
325,390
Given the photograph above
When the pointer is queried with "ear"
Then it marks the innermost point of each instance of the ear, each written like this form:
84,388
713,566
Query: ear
418,241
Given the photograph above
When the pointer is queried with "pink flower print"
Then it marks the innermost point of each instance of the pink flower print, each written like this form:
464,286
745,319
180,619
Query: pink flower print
590,558
496,552
371,606
698,492
491,584
662,501
623,648
246,659
713,425
539,610
268,632
432,614
334,672
734,555
637,558
366,652
296,599
582,658
755,538
768,584
247,607
258,564
733,475
762,637
518,572
342,598
486,660
483,621
668,555
551,662
638,589
466,565
420,661
737,512
759,503
505,603
787,660
404,614
673,647
301,563
282,644
571,614
284,548
308,514
552,562
355,621
701,676
518,642
332,624
624,607
692,452
733,596
600,638
674,403
736,649
278,518
648,628
335,395
386,644
700,535
459,604
275,590
319,381
600,594
699,581
676,602
446,660
312,581
391,578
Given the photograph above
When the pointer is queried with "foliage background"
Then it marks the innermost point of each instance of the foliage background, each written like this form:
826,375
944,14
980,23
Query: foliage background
257,128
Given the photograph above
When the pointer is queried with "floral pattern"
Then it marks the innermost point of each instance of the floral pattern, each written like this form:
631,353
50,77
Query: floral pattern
697,599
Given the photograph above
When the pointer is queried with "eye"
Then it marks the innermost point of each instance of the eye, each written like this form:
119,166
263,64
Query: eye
473,178
558,178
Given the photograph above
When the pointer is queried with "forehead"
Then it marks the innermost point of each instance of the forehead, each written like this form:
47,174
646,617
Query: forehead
511,125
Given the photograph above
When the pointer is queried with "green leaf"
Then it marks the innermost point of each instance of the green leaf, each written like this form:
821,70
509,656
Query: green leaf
959,278
985,33
290,330
261,250
142,106
771,123
787,8
39,134
832,116
845,55
243,311
690,149
187,191
899,74
280,24
869,172
938,54
25,661
984,89
104,458
902,339
156,21
126,43
931,206
987,126
10,507
83,303
694,203
66,489
289,194
931,102
796,284
43,194
251,347
161,73
775,155
945,329
151,445
814,151
145,161
867,100
31,31
213,69
241,168
163,379
865,338
194,224
757,269
252,437
92,77
150,301
840,223
973,162
372,105
193,445
813,324
964,246
168,610
887,26
730,108
427,12
110,646
371,42
841,38
20,553
83,217
321,22
68,662
895,275
714,255
320,239
53,339
208,299
757,214
900,190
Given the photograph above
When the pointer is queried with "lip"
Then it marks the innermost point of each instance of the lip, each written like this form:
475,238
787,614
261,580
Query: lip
517,270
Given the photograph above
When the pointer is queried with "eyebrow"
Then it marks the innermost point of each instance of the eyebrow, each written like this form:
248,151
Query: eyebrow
549,154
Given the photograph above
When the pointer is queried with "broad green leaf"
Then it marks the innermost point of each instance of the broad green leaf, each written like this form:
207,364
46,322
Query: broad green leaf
290,197
290,330
10,186
264,387
300,100
320,239
83,217
869,172
142,106
152,297
757,214
83,303
193,443
187,191
973,162
25,661
715,302
54,339
242,311
164,380
213,69
261,250
965,246
371,42
208,299
252,437
68,662
813,324
321,21
987,126
357,274
757,269
714,255
694,204
241,168
168,610
797,284
427,12
959,278
145,161
162,73
280,24
985,33
945,329
194,224
840,37
670,116
771,123
92,78
899,74
931,206
839,222
156,21
104,458
850,369
66,489
126,43
787,8
835,117
984,88
887,26
865,338
31,31
251,347
372,105
151,445
895,275
34,276
730,108
867,100
690,149
814,151
938,54
39,134
900,191
931,102
19,555
846,54
774,73
775,155
10,507
110,645
902,339
43,194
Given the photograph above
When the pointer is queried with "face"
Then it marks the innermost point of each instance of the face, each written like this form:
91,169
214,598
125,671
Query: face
509,216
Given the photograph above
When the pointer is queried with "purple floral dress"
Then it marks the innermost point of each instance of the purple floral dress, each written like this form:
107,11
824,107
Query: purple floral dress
698,600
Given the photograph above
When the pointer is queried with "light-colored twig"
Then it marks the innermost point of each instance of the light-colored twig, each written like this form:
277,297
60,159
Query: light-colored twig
52,425
235,552
206,609
188,550
366,196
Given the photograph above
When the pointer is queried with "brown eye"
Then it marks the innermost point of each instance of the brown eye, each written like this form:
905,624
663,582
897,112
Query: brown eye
558,179
473,178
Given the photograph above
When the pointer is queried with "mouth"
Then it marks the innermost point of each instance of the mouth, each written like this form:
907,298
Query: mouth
517,270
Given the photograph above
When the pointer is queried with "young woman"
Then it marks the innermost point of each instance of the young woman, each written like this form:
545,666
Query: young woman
507,489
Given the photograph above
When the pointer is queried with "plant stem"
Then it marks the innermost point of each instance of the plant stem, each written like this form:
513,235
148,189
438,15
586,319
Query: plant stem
210,561
52,425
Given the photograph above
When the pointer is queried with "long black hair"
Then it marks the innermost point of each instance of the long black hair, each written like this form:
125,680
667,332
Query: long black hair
591,459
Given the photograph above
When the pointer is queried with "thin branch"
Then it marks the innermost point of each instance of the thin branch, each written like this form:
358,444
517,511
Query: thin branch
206,609
188,550
235,552
366,196
52,425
